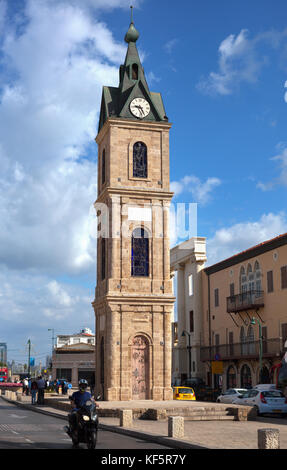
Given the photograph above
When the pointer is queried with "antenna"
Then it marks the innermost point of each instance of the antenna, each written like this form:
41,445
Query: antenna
132,13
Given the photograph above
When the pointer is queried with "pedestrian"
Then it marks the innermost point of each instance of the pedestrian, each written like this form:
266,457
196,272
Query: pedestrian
25,386
41,390
34,389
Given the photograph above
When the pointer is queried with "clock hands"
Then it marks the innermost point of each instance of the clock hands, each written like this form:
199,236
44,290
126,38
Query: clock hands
140,108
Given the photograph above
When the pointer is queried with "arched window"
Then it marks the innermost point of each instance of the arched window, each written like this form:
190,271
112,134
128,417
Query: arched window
246,380
258,276
104,166
140,253
250,279
231,377
135,72
243,281
250,340
243,342
103,258
139,160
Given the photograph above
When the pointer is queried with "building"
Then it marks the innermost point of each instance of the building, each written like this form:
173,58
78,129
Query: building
85,337
3,353
188,259
134,299
74,357
244,316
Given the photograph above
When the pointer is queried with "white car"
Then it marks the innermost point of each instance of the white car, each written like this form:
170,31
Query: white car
265,401
230,394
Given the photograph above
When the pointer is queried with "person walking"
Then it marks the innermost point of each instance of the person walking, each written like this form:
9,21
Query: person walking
34,389
25,386
41,390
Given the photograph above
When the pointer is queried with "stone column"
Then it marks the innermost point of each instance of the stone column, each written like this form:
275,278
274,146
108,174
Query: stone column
176,427
268,439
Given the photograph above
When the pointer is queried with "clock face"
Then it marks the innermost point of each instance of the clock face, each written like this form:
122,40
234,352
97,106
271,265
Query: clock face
140,107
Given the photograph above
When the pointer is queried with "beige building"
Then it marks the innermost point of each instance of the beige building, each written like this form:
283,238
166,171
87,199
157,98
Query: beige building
245,297
188,259
134,300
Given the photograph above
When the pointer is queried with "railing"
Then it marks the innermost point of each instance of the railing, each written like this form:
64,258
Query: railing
247,350
245,301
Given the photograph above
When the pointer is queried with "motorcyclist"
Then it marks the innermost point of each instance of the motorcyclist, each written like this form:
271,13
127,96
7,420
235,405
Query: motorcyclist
78,399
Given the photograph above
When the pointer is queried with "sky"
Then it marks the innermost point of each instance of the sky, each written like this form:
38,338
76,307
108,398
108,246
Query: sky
221,68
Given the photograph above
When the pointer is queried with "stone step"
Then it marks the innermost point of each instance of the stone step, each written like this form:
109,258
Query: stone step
209,418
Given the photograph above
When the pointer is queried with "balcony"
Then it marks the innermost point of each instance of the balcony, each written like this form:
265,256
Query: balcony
248,350
250,300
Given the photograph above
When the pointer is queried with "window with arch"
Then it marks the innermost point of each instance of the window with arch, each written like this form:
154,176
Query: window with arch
243,342
104,166
258,276
231,377
243,281
246,379
135,72
140,252
250,340
250,278
140,160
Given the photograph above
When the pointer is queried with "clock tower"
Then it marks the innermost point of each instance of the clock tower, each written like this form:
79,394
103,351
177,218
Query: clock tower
134,298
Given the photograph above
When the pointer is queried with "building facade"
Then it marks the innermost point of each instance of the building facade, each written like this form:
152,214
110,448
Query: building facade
74,357
188,259
244,316
134,299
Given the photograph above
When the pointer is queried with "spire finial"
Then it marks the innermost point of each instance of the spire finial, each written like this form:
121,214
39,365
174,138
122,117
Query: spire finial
132,34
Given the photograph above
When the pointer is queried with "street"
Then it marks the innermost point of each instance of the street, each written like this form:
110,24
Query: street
25,429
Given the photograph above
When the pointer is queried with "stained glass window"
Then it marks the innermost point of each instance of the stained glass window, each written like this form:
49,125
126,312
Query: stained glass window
140,160
140,253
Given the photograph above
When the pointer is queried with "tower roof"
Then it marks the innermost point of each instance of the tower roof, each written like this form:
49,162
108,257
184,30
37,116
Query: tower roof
132,84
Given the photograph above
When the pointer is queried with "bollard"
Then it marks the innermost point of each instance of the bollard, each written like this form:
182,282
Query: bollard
268,439
175,426
126,418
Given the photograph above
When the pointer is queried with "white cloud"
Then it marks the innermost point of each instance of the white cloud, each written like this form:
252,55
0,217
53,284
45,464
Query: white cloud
55,58
281,180
170,45
48,120
240,60
229,241
201,191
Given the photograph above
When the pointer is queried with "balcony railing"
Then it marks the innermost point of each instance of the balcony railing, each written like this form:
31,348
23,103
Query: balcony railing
247,350
252,299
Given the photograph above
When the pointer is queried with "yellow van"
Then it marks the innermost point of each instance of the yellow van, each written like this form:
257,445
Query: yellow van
183,393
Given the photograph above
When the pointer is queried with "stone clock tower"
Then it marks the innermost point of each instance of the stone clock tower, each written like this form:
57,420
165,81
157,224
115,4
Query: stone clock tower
134,299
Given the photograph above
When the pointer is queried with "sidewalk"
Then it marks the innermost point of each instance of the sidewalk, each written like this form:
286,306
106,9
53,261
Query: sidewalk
198,434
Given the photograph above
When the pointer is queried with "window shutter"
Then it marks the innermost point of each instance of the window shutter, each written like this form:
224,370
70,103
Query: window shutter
191,323
232,290
284,277
264,338
270,286
216,297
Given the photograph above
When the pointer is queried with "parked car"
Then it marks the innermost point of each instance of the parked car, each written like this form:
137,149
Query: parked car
265,387
183,393
202,391
265,401
230,394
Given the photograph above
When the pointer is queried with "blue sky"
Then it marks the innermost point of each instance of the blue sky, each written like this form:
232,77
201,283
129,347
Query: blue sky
222,70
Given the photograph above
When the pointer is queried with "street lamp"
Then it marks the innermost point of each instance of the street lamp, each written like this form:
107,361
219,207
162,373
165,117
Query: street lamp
253,322
189,349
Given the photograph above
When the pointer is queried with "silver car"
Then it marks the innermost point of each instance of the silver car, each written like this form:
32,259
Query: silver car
265,401
230,395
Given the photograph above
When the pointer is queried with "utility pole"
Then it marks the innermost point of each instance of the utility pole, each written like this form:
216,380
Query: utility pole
29,357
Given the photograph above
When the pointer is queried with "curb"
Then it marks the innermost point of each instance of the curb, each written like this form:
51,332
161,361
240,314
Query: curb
162,440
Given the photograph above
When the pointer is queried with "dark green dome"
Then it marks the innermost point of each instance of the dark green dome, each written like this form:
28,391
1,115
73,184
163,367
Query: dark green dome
132,34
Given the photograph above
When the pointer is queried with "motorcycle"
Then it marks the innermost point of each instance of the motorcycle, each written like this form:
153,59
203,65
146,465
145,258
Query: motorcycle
86,430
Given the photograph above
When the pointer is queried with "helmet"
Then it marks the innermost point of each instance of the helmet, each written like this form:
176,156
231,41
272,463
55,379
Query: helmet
83,383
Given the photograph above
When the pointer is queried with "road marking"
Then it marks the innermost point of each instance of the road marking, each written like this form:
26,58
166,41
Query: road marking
17,416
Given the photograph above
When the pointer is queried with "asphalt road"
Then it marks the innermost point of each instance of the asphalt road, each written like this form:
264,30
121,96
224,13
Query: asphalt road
25,429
